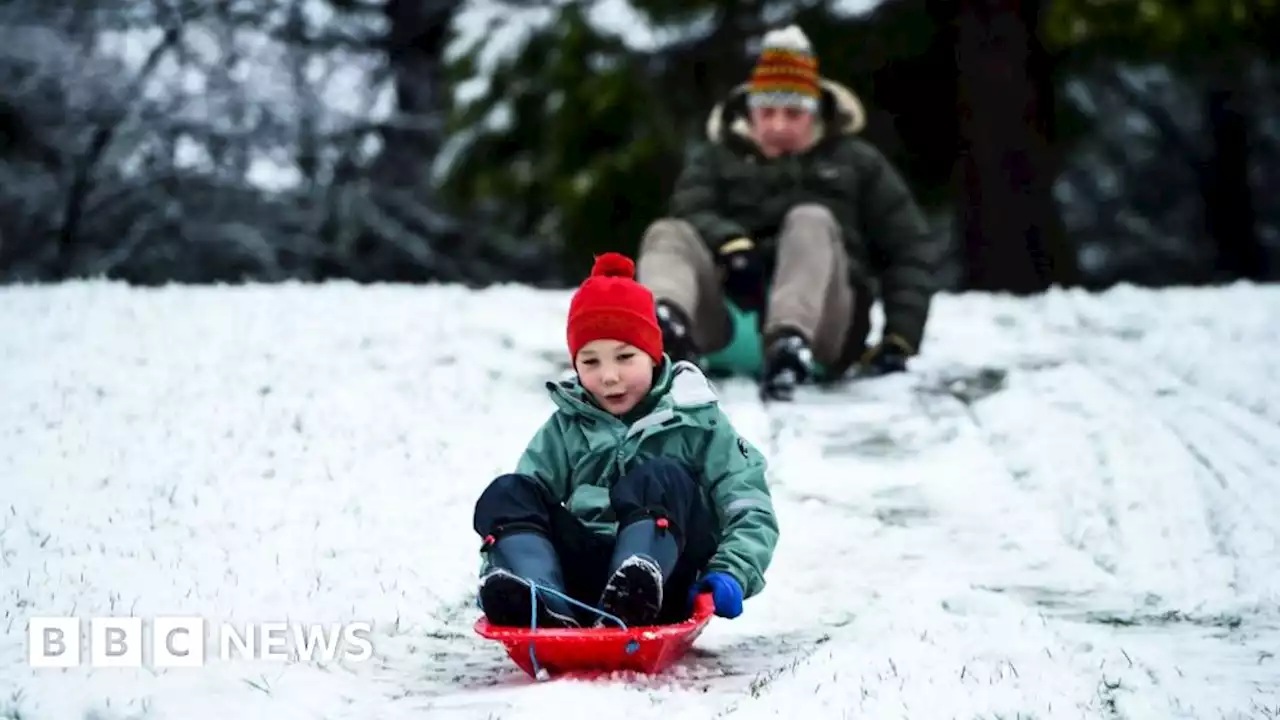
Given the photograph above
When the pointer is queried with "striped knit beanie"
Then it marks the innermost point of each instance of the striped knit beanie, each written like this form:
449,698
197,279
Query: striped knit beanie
786,74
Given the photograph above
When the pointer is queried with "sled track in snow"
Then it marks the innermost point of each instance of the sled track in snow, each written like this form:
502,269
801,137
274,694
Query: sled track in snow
1169,496
1186,588
441,662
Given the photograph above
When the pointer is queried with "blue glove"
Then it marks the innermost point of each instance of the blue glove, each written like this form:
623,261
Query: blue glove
725,591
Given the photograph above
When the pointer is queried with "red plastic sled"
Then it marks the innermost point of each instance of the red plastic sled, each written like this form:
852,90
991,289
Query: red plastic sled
560,652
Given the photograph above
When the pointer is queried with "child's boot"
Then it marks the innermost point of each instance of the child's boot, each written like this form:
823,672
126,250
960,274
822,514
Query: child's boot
643,559
514,562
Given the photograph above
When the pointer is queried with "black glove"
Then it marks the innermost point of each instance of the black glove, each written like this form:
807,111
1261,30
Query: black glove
742,273
890,356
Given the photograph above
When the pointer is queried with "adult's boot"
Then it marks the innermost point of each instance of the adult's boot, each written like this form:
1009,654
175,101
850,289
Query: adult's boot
788,363
677,333
515,564
643,559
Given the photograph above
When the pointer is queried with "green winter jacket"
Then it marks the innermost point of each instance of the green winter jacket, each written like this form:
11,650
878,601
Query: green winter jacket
729,189
582,450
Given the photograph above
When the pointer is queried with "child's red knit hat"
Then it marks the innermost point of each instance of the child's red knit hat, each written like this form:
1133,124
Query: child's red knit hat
612,305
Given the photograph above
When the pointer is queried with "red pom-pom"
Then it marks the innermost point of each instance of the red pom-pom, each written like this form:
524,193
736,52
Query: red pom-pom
612,264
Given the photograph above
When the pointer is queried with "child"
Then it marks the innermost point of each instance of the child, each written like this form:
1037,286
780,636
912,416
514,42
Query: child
637,494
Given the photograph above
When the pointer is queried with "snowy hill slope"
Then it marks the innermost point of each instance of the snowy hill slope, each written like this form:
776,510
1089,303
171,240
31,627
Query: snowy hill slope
1069,511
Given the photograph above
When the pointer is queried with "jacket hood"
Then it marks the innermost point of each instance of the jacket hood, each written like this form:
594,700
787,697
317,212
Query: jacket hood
839,108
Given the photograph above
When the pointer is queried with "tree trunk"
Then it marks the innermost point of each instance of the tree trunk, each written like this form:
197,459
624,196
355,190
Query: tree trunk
419,33
1006,217
1230,214
409,242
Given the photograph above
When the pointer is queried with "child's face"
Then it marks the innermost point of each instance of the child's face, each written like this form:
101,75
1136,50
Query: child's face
617,374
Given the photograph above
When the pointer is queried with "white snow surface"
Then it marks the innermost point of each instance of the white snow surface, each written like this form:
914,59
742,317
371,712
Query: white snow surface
1069,509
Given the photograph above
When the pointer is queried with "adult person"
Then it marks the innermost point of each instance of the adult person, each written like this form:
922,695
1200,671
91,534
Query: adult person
787,212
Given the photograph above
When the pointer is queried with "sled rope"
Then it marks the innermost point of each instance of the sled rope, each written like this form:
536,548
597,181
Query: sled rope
533,621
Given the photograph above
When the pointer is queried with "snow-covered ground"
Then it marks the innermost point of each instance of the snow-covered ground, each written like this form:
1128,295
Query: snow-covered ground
1069,510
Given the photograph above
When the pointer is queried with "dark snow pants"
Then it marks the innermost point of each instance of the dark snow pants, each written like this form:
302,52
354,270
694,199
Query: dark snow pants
659,487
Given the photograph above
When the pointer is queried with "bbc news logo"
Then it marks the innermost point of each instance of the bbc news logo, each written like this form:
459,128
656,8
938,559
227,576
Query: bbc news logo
56,642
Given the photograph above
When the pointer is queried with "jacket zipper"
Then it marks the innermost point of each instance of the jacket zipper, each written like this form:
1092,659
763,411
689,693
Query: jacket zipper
621,436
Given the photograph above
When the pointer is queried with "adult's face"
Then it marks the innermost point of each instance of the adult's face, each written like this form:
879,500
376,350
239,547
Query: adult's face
781,130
